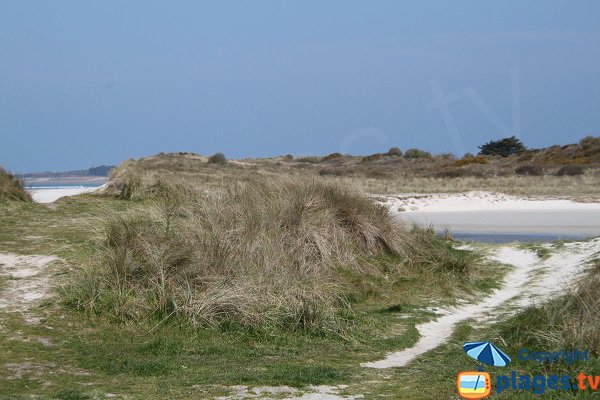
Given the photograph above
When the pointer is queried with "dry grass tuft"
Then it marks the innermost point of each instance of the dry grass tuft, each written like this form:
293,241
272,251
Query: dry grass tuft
262,254
11,188
569,322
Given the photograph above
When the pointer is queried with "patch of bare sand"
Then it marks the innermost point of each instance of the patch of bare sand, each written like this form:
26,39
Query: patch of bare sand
323,392
531,281
26,283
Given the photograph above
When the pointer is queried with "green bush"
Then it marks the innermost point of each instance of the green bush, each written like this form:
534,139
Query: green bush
217,158
394,151
570,170
416,153
530,169
332,156
372,157
503,147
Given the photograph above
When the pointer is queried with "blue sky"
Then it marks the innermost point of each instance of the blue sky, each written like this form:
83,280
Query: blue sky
95,82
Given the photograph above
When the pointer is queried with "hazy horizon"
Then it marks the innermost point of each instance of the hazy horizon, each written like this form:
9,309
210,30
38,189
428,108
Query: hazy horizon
86,84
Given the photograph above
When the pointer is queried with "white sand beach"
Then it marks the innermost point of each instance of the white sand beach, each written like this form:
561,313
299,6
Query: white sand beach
486,212
49,195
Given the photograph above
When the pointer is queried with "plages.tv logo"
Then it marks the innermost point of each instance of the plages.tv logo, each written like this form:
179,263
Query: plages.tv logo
478,384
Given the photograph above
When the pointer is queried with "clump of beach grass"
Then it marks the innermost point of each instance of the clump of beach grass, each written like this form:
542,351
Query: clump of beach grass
259,254
12,188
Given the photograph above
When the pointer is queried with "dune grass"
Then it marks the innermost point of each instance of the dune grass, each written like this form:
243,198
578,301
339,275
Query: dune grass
283,254
257,254
568,322
11,188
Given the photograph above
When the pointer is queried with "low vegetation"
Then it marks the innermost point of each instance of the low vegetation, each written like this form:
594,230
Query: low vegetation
332,156
12,188
528,169
416,153
217,158
469,159
547,171
568,322
394,151
570,170
265,254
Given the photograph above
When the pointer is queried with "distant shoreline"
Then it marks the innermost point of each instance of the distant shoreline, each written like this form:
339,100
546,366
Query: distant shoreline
86,181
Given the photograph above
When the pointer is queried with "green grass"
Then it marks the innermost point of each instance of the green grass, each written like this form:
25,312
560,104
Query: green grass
565,323
91,355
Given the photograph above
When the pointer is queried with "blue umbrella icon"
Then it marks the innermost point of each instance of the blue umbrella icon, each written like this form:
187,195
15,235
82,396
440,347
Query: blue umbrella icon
486,353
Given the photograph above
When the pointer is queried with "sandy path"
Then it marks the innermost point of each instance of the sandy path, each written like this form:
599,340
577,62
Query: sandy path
531,281
25,283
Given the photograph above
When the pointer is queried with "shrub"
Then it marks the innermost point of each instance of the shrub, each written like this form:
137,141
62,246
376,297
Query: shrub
12,188
590,141
503,147
570,170
309,160
394,151
372,157
331,156
416,153
217,158
530,169
467,160
451,173
103,170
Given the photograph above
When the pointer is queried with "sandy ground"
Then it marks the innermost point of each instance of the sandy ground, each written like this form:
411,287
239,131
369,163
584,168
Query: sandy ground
309,393
51,195
495,213
26,283
533,280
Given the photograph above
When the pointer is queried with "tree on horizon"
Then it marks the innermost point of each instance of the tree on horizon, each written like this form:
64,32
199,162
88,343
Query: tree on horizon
503,147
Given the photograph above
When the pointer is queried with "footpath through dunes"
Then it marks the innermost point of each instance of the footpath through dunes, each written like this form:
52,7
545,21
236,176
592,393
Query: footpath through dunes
532,281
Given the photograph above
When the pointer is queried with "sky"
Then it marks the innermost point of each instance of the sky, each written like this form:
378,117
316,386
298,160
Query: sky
98,82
